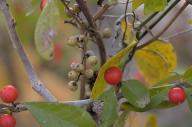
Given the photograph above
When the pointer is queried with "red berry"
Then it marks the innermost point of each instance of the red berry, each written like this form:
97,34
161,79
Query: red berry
177,95
42,4
113,75
57,53
7,120
9,94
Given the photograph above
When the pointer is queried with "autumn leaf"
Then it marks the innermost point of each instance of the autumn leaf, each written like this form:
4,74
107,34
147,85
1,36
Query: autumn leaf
151,121
156,61
127,27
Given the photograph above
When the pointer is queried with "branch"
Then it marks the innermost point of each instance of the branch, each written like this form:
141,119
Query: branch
99,40
19,107
35,82
165,28
159,18
100,12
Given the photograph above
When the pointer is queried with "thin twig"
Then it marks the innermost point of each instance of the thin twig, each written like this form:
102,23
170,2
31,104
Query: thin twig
83,77
100,12
166,27
72,14
37,85
177,34
19,107
159,18
99,40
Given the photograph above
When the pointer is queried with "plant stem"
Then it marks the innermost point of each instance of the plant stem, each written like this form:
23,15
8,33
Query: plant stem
83,77
166,27
37,85
100,12
19,107
159,18
99,40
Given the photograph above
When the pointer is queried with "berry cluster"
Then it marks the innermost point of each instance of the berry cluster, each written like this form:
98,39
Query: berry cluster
8,95
78,68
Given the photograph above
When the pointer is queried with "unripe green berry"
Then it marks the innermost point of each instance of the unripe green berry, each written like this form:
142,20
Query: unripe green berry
72,85
107,33
79,68
72,75
89,73
92,60
72,41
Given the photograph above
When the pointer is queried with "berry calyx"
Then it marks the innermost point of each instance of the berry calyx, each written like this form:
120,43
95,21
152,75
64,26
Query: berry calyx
9,94
79,68
7,120
42,4
177,95
72,75
113,75
73,85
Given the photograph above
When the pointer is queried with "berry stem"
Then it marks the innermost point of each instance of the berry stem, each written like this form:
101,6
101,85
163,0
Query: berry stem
99,40
83,80
35,82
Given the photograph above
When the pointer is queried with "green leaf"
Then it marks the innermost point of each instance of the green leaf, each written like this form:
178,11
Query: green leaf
154,5
120,122
188,75
59,115
136,93
158,100
158,95
169,79
45,30
189,98
137,3
100,83
109,114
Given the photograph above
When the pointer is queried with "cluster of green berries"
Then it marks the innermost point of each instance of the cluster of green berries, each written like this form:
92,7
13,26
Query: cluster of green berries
8,95
78,69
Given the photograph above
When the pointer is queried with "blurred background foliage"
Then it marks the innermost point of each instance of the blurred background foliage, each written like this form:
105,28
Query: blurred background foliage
53,74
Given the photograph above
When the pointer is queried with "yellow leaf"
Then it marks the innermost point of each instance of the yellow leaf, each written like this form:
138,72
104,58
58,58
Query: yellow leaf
189,21
100,83
129,35
137,3
151,121
156,61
